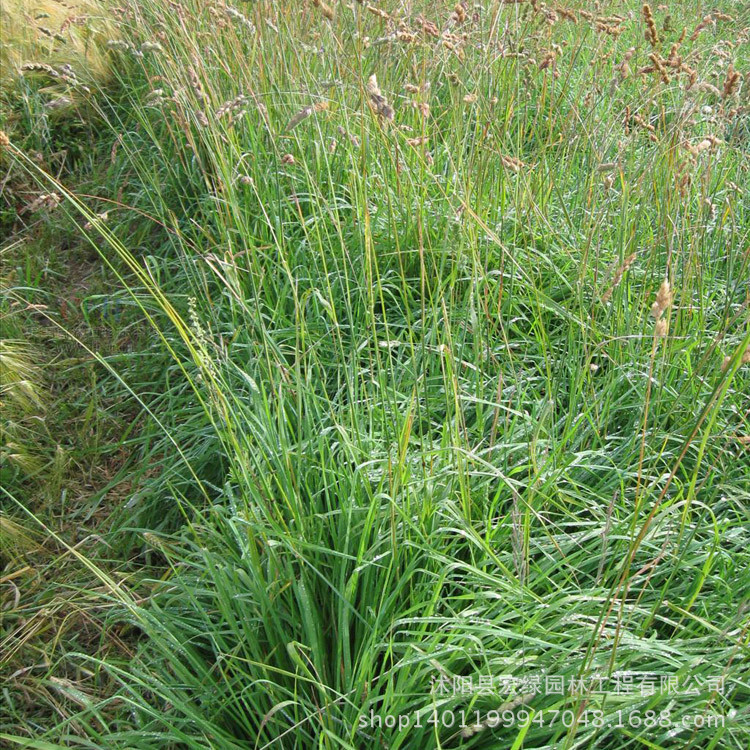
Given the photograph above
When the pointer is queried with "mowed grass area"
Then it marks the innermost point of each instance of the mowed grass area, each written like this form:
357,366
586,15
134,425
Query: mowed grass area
418,349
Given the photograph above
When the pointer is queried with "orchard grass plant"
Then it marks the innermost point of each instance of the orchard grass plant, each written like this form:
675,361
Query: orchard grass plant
445,397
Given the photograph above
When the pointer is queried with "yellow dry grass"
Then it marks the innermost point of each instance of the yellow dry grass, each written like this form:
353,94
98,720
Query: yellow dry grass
55,33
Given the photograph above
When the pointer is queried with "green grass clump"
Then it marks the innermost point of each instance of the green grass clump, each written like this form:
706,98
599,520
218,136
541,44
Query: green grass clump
447,381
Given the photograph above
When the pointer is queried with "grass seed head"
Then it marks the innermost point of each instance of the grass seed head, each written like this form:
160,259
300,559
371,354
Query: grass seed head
652,35
617,278
50,201
378,101
745,360
512,163
731,82
663,300
459,14
378,12
195,85
326,10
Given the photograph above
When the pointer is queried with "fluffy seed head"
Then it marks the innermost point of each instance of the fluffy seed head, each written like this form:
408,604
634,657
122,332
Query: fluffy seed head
663,300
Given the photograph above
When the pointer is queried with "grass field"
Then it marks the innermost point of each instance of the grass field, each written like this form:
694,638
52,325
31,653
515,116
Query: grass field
375,375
